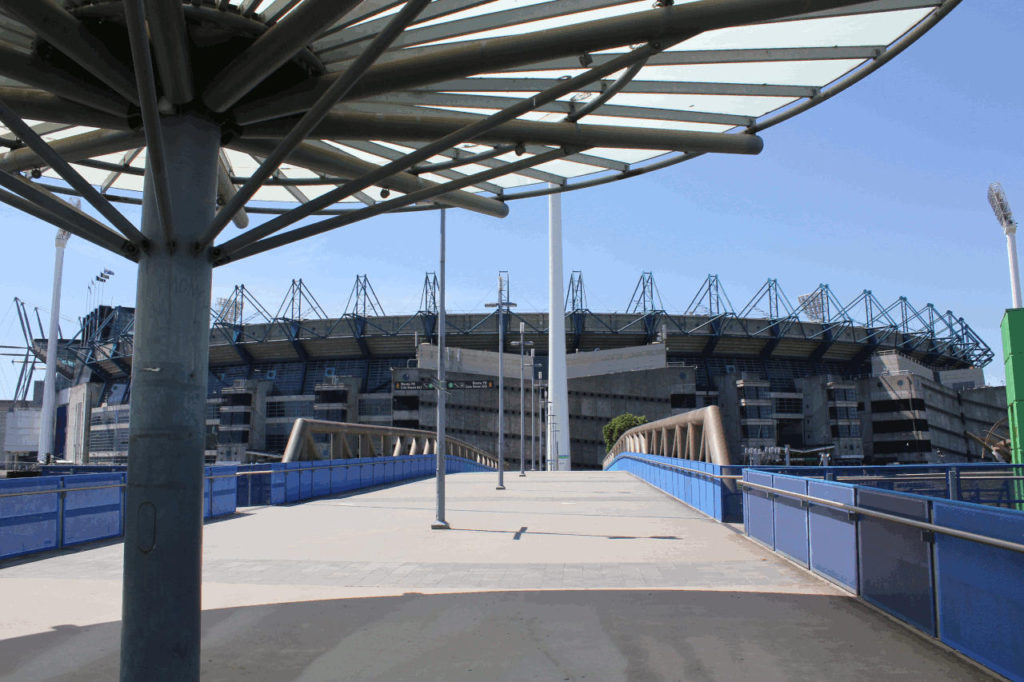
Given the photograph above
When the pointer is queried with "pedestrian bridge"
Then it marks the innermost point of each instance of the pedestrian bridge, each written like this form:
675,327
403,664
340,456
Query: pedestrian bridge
562,576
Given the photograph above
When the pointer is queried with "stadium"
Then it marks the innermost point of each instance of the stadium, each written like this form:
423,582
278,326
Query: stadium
860,381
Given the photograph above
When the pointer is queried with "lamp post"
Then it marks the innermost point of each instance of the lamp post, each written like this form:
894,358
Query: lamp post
533,410
501,305
440,523
522,343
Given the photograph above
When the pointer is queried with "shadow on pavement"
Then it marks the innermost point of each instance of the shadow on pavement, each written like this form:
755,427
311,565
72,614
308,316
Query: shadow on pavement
528,635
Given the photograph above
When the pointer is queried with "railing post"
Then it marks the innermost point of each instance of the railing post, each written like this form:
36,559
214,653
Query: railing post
61,504
953,483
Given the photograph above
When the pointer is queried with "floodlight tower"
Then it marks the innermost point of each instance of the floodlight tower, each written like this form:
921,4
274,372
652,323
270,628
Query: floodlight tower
1012,332
1001,207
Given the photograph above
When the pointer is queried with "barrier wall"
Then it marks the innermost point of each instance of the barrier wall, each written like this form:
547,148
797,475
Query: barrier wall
698,484
84,508
290,482
967,593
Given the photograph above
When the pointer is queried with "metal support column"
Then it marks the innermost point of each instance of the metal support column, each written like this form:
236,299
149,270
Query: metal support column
439,522
164,497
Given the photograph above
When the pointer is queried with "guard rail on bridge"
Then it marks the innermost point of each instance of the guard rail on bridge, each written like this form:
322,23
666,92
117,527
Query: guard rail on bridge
361,440
694,435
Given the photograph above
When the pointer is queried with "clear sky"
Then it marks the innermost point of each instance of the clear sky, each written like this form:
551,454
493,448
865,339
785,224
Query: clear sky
881,188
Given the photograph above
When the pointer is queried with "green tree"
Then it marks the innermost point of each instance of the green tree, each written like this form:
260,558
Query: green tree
618,426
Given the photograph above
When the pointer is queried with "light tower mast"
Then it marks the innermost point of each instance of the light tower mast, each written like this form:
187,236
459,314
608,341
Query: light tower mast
1001,207
1012,328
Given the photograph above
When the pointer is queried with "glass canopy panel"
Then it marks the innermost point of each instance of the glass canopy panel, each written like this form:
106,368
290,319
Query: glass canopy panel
455,64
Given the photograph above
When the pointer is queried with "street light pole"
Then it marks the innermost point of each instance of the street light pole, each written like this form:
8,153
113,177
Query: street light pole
533,411
440,523
501,305
522,343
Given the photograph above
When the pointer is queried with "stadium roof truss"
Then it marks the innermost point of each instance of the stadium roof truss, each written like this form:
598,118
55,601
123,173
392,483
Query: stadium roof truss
242,322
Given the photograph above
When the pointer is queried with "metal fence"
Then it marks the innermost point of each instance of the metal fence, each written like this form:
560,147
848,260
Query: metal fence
951,569
68,507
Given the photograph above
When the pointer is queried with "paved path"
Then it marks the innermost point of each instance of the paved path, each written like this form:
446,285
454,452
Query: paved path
563,576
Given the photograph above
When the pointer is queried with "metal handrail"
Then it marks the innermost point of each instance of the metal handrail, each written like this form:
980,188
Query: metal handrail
53,491
923,525
695,472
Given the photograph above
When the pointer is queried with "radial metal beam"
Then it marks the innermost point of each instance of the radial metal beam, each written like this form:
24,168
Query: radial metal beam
644,87
60,28
662,26
226,190
339,88
475,101
170,49
72,219
156,159
31,71
68,174
392,154
463,134
385,206
324,158
429,125
38,105
273,49
72,149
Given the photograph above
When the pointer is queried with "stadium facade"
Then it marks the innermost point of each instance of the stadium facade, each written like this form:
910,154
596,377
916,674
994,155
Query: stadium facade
858,382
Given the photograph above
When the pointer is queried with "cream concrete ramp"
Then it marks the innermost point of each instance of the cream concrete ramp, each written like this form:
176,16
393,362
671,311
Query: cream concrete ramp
563,576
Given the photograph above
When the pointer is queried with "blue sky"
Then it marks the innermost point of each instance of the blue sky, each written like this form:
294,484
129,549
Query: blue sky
882,188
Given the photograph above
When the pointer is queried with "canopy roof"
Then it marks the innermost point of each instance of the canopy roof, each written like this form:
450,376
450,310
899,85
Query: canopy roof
371,106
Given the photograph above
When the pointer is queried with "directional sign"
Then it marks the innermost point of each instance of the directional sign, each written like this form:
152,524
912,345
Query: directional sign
415,385
470,384
430,385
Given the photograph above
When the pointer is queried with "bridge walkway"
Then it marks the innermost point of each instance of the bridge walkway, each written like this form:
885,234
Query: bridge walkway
563,576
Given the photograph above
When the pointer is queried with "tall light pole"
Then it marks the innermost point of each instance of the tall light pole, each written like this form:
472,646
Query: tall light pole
1001,207
522,343
47,414
533,410
439,522
501,305
558,387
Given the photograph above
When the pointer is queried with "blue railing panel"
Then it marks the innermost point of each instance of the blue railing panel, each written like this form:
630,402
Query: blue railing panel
92,514
980,588
833,534
28,523
758,517
790,519
895,561
220,491
321,479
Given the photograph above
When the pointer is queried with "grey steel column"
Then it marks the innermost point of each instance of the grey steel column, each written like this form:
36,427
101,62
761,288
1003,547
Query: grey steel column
440,523
501,385
164,498
522,400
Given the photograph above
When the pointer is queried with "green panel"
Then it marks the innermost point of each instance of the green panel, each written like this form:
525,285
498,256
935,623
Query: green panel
1014,378
1013,332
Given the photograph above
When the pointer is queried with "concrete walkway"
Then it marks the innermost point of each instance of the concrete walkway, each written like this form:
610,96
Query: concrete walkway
563,576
